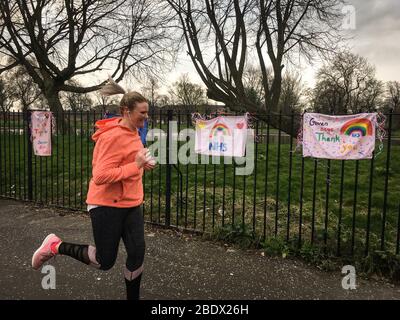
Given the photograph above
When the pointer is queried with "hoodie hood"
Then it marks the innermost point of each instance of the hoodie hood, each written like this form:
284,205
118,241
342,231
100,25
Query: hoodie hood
107,125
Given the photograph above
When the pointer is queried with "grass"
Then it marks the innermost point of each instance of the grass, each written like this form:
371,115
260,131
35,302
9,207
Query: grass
211,196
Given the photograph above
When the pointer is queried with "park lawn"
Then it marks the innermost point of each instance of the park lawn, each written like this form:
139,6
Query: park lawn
207,200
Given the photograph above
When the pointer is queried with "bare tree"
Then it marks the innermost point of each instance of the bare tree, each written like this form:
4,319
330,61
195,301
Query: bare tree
253,83
266,31
392,102
5,101
163,100
187,93
292,92
21,90
58,40
76,101
103,101
150,89
347,85
393,95
292,89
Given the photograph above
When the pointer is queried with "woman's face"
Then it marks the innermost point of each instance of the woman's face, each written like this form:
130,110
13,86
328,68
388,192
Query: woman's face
138,115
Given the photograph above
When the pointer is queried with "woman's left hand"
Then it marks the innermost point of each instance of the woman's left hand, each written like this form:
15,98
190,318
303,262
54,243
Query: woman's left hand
149,166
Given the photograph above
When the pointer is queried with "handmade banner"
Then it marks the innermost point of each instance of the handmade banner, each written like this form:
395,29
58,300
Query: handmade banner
221,136
41,132
347,137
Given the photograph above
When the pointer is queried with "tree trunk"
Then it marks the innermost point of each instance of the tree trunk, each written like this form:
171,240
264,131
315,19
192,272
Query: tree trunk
55,105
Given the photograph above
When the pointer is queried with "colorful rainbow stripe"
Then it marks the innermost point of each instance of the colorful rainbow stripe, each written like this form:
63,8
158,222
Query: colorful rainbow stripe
220,127
361,125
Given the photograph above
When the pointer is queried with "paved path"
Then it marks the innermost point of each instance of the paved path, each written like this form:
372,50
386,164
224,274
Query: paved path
177,266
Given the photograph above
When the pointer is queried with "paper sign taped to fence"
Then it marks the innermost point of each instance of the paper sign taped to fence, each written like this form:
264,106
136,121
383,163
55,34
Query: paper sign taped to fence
221,136
346,137
41,132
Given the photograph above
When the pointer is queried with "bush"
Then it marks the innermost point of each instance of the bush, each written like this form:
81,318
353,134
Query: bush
238,234
383,264
276,247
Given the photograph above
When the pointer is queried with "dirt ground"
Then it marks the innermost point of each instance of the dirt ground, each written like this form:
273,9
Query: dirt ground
177,266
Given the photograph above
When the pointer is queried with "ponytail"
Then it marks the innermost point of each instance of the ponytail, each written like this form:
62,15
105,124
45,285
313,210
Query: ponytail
112,88
128,100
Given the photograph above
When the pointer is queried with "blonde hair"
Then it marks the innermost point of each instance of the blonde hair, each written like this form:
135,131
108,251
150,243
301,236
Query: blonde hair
129,99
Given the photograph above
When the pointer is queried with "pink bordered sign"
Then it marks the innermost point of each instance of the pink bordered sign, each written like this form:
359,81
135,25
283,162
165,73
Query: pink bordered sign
221,136
41,132
348,137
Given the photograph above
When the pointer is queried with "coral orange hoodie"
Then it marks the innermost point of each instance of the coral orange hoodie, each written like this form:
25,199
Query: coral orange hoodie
116,179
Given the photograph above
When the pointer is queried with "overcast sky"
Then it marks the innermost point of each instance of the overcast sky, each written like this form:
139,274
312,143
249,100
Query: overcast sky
376,37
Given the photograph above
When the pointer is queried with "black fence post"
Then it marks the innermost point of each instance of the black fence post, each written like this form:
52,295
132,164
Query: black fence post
168,177
27,117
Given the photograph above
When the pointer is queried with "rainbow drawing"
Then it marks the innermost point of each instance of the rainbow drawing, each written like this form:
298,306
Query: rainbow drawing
361,126
220,127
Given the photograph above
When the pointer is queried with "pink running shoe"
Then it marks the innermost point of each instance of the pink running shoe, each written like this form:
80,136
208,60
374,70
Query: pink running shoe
46,251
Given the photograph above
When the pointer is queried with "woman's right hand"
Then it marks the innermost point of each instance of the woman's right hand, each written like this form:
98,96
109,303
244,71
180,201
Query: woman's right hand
141,158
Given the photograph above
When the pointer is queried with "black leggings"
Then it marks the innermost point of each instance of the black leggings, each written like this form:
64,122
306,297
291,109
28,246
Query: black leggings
109,225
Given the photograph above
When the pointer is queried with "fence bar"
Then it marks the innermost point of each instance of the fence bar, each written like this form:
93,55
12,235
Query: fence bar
243,201
255,178
195,194
266,176
386,182
2,169
398,232
338,251
204,196
328,183
69,158
180,175
277,174
223,194
10,153
5,153
29,162
45,159
313,205
159,175
20,171
290,177
168,177
188,120
59,132
14,165
81,155
75,161
52,135
234,191
152,171
24,138
371,178
354,209
301,203
213,203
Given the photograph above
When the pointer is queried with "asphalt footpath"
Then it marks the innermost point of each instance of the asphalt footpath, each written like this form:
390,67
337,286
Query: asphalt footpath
178,266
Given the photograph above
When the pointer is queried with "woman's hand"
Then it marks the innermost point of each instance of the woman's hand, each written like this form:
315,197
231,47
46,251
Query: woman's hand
150,162
141,158
145,160
149,166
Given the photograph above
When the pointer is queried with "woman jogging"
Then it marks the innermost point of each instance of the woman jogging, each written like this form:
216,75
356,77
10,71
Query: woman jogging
115,194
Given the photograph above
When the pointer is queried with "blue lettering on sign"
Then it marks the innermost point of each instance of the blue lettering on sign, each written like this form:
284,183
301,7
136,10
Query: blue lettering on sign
217,146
